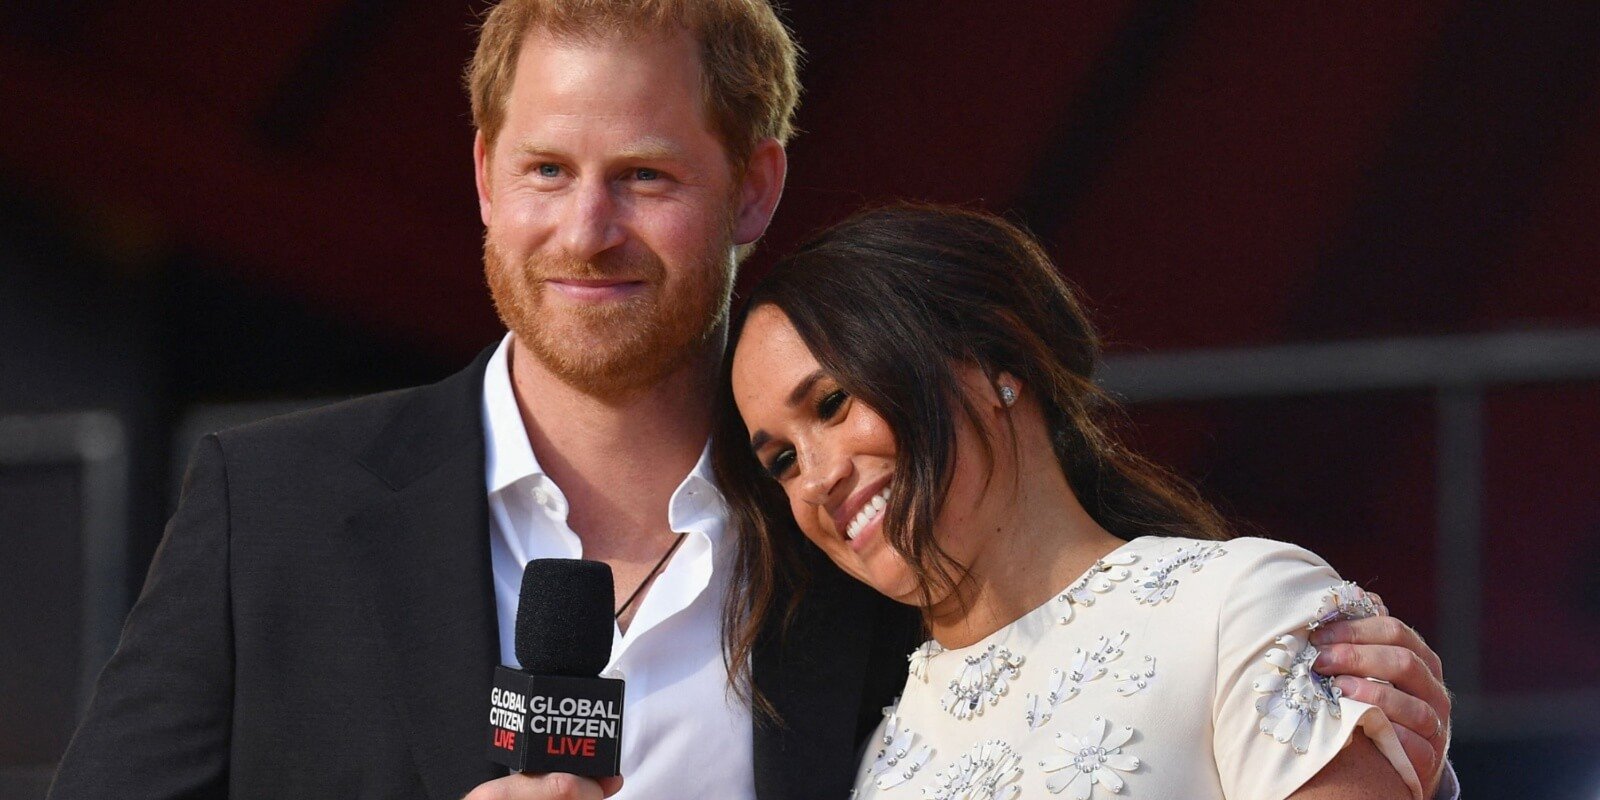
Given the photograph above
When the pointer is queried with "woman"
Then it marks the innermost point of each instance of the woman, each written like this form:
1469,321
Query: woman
914,389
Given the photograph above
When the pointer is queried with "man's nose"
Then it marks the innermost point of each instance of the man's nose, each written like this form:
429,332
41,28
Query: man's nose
591,225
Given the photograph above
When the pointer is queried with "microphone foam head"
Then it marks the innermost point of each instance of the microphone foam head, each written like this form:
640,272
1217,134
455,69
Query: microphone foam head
564,619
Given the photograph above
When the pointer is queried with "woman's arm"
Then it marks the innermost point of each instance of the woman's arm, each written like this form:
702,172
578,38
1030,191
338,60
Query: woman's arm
1359,772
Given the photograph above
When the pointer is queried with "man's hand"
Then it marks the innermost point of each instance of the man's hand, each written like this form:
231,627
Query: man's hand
549,786
1413,696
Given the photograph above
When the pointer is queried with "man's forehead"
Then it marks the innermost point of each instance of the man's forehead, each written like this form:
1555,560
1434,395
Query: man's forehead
657,75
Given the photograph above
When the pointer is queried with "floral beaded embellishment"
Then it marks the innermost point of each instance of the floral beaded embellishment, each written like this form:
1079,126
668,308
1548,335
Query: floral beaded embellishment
896,762
1087,665
984,679
1294,695
1101,578
1091,759
1134,681
1344,601
1158,583
989,771
919,659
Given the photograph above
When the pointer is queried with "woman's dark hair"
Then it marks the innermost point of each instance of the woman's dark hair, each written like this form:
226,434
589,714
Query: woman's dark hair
889,302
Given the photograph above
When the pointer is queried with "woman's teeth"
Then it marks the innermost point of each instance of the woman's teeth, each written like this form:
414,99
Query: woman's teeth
869,512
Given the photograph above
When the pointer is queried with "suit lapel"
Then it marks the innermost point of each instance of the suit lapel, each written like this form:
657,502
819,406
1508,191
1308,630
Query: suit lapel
814,675
424,559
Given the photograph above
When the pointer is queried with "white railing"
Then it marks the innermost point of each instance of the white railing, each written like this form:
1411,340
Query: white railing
1457,370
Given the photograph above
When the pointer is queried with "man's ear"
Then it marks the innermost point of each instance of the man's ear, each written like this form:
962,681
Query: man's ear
760,190
480,174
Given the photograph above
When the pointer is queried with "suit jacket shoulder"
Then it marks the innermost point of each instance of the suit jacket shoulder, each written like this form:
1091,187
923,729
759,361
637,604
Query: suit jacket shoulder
318,620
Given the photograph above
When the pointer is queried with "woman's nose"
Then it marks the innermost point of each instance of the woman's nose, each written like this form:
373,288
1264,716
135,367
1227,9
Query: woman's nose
825,477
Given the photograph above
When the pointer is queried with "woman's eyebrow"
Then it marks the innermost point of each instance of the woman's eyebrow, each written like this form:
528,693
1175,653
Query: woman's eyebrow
803,388
796,396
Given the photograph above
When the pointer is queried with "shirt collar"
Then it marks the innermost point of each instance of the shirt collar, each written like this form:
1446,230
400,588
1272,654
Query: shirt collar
696,505
508,455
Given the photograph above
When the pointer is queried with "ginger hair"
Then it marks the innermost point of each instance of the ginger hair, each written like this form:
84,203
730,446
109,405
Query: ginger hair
748,58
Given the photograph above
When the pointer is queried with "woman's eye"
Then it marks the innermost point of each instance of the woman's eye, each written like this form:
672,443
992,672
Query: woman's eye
830,403
548,170
780,464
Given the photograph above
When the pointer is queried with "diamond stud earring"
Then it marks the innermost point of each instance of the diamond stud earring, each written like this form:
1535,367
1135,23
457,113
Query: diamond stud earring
1008,396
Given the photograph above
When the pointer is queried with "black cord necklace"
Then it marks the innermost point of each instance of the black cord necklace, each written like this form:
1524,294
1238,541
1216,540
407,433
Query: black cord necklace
653,571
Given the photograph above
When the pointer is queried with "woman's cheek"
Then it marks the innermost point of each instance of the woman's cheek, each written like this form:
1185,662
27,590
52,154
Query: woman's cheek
804,519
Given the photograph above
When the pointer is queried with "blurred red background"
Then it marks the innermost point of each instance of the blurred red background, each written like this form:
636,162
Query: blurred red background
218,202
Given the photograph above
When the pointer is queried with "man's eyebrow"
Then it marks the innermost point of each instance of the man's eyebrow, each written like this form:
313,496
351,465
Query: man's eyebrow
532,148
650,148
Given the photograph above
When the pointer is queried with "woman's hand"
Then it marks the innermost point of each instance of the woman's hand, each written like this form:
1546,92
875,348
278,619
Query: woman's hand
1413,695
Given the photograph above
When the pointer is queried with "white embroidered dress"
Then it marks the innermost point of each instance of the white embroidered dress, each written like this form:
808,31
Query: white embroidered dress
1174,668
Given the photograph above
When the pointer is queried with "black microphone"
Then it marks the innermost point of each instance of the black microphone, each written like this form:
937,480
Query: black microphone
555,714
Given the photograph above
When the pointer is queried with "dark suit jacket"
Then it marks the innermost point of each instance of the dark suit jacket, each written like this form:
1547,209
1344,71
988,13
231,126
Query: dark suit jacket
319,623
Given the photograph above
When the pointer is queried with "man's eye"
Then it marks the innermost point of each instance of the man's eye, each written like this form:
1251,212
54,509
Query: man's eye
549,170
780,464
646,174
830,403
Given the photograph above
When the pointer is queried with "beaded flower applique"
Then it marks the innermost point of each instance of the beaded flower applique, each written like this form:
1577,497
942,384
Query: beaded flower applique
896,761
1092,758
1134,681
919,659
984,679
1158,583
1293,694
1087,665
1343,601
1101,578
989,771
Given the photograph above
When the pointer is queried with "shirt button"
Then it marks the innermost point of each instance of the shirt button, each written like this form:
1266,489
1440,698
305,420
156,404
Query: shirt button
541,497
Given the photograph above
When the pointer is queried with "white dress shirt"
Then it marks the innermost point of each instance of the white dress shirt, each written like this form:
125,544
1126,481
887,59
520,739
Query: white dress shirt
684,733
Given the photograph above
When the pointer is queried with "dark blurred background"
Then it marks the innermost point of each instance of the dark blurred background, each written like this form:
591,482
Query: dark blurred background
1347,257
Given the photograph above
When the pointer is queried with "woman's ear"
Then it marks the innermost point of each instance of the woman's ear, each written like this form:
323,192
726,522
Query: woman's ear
998,390
1007,389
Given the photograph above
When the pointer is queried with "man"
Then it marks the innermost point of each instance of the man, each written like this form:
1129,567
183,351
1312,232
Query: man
325,611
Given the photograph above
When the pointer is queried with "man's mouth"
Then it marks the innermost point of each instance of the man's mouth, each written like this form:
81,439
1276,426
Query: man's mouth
594,290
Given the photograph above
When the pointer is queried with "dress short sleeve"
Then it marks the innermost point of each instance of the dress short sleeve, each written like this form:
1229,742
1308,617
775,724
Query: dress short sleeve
1276,723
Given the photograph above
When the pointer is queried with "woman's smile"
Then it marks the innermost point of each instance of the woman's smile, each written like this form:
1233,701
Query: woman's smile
863,512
